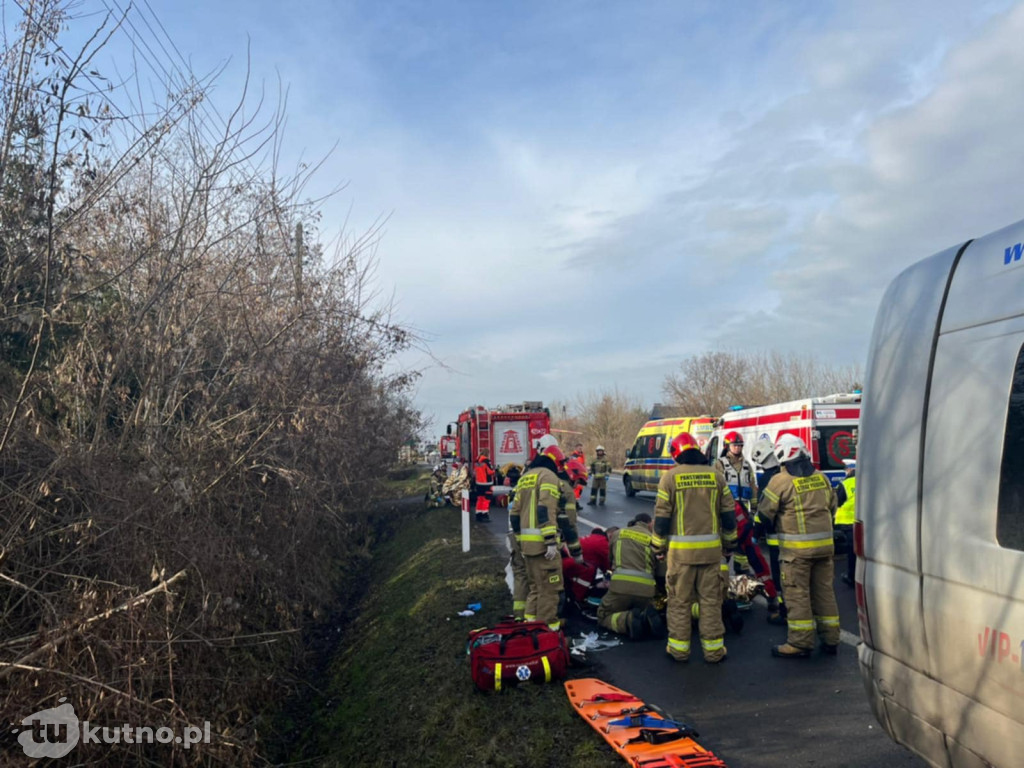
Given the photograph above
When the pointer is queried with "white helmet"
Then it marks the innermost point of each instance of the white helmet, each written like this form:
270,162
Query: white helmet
545,441
763,453
789,448
599,448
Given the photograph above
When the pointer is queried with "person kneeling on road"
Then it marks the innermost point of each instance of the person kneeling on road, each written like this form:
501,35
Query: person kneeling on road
626,606
694,544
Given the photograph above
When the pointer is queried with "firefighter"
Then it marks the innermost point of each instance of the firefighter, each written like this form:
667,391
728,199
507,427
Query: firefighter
577,477
626,606
742,480
435,497
763,455
536,516
599,470
484,472
800,501
693,543
845,516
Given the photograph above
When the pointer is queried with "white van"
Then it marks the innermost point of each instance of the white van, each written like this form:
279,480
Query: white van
940,506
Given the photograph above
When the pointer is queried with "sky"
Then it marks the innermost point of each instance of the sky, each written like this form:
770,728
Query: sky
576,196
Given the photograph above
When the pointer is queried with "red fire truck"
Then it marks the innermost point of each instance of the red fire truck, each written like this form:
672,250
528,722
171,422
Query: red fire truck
446,446
507,432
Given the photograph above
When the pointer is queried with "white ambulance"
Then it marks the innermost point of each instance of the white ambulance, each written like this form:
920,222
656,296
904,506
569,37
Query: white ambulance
827,425
940,506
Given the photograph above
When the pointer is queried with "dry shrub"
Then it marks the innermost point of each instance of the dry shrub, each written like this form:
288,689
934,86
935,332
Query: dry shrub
193,404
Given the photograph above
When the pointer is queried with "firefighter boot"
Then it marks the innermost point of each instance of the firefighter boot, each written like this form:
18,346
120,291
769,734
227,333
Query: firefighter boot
787,651
830,650
654,623
593,500
635,624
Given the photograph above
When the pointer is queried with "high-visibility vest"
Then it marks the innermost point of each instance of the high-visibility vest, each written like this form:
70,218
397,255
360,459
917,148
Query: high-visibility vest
845,515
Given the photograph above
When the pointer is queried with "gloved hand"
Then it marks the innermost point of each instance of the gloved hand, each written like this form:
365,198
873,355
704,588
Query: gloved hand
578,559
551,552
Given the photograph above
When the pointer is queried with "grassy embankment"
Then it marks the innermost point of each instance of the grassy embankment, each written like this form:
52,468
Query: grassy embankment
399,691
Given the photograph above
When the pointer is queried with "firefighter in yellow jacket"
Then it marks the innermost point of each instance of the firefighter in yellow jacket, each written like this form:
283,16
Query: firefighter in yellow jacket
600,468
626,606
693,518
800,502
536,515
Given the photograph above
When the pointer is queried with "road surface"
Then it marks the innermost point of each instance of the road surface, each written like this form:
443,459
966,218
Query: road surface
753,710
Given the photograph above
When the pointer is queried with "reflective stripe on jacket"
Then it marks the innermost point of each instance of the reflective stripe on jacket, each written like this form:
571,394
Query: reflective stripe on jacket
534,510
632,561
600,468
742,482
694,511
802,509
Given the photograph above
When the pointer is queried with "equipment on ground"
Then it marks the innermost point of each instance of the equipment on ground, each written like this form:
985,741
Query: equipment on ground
516,652
646,739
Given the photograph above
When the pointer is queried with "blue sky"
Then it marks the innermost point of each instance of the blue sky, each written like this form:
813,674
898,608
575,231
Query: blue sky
580,194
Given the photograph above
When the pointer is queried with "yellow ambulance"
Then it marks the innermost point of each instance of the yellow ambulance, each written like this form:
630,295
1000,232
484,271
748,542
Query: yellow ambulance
649,456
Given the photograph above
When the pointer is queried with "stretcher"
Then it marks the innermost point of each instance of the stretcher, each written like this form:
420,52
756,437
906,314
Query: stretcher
636,730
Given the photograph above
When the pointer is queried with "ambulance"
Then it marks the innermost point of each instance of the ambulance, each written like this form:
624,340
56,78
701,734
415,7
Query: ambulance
939,532
649,456
827,425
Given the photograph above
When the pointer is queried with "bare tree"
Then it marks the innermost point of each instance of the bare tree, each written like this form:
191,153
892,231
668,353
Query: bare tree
610,418
711,382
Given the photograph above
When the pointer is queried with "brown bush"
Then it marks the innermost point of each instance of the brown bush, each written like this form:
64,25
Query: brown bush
193,407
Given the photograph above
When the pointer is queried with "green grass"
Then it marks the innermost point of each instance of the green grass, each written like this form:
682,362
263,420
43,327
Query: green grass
406,481
400,691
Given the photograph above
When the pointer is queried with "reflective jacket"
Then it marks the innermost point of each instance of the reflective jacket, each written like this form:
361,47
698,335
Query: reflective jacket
533,514
846,514
740,477
632,561
694,512
484,474
800,501
600,468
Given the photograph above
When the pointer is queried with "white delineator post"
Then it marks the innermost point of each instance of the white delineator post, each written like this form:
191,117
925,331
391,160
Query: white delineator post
465,521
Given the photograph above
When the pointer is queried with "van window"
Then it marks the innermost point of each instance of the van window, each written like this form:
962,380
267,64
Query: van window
637,450
834,445
654,445
1010,523
712,449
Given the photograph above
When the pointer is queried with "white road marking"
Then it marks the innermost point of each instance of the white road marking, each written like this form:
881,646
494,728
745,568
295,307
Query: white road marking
849,638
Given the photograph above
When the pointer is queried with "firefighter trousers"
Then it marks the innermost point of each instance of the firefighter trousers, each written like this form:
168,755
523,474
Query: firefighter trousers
810,600
519,585
599,489
544,589
615,609
685,585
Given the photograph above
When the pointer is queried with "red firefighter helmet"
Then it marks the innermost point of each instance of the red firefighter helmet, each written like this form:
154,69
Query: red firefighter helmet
554,453
576,471
734,438
684,441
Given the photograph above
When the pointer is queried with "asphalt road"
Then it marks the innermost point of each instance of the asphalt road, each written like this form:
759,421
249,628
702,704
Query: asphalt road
753,710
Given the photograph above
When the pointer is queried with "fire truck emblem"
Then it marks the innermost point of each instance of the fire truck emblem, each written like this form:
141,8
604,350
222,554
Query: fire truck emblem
510,442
